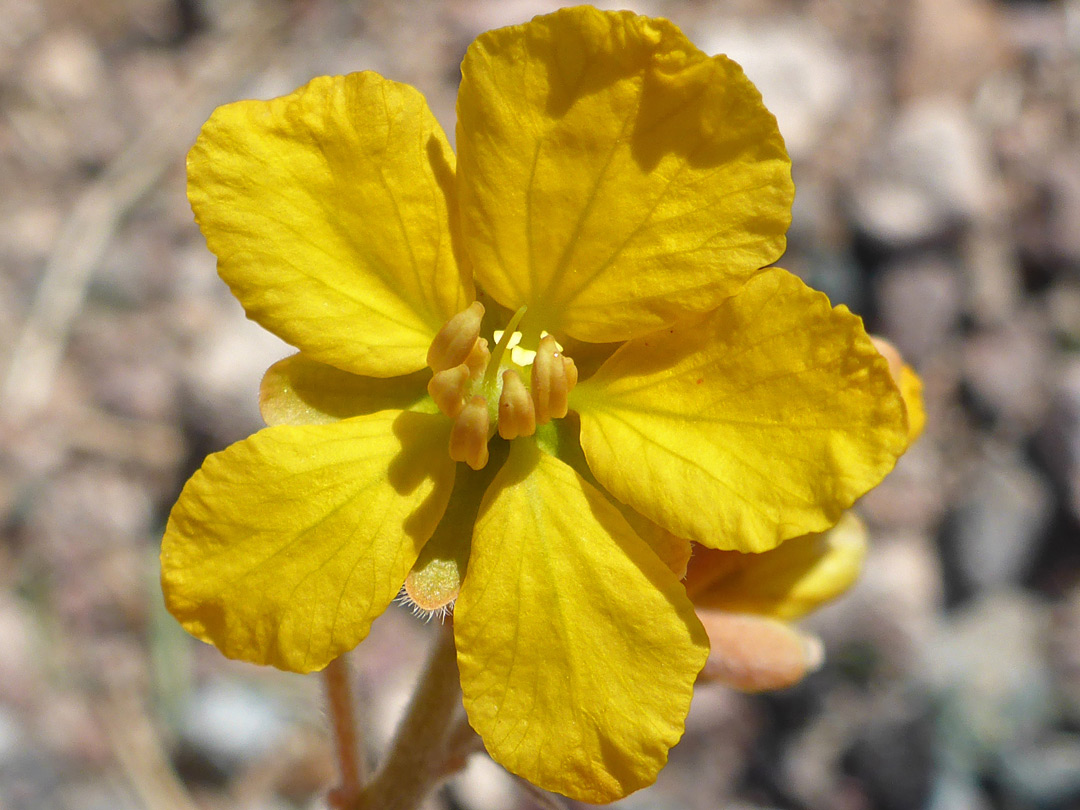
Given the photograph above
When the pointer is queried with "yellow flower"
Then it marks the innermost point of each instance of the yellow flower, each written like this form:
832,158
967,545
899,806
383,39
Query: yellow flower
531,379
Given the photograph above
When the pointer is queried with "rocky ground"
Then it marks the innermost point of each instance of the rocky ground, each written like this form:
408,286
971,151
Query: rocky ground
936,146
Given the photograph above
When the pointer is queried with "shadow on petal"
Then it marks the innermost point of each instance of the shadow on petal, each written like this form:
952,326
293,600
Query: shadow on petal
423,455
446,179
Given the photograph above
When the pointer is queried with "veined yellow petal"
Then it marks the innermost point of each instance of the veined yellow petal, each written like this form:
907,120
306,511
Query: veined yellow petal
284,547
786,583
578,648
329,212
759,422
674,551
560,439
613,177
302,391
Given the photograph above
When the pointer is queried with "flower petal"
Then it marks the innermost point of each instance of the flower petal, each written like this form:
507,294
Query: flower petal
284,547
302,391
578,648
329,212
560,438
613,177
674,551
788,582
762,421
909,383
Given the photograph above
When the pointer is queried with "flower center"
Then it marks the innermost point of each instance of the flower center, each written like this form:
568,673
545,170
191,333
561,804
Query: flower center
510,390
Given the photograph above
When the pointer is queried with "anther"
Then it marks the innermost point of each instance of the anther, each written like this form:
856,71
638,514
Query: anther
469,434
517,416
571,373
478,359
447,388
456,339
549,383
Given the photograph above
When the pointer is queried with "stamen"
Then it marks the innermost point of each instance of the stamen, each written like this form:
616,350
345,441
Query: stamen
478,358
549,384
517,416
469,434
571,373
467,376
540,384
456,339
447,388
500,350
559,398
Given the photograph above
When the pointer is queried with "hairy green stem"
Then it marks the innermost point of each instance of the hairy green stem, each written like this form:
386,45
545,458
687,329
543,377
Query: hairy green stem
419,757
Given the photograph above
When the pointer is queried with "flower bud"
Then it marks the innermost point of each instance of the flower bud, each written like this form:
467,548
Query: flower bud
755,653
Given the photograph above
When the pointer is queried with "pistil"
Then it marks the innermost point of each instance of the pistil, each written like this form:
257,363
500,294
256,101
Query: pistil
500,349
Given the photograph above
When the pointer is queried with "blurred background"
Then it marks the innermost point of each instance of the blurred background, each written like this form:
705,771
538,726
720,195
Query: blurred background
936,148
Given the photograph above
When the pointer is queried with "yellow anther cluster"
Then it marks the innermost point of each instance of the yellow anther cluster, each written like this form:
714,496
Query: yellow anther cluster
465,381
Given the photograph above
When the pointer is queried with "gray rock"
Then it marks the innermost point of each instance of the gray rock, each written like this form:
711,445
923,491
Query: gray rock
998,526
805,78
30,778
231,723
892,608
1065,654
11,736
1063,307
931,173
1045,774
223,371
921,304
1064,209
1007,369
483,785
892,753
91,795
957,792
1059,438
989,669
